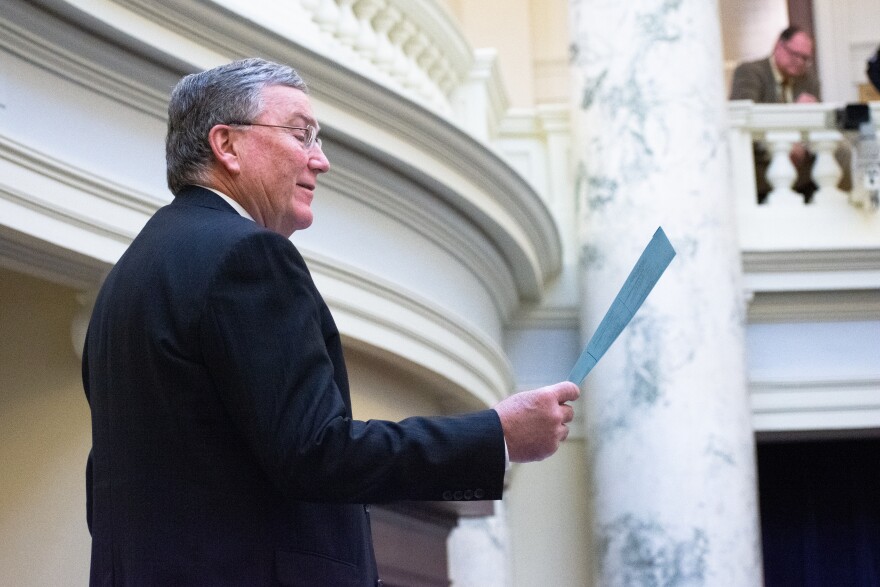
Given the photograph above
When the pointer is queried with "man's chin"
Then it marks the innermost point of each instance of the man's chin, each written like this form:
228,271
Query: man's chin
301,221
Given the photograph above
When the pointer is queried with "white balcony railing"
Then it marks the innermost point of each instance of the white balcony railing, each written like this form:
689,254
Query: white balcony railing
834,219
412,46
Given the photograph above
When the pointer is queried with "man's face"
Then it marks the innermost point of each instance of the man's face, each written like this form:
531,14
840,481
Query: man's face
794,56
278,173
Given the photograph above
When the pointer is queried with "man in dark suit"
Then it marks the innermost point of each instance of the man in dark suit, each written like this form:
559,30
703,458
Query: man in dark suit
786,76
224,449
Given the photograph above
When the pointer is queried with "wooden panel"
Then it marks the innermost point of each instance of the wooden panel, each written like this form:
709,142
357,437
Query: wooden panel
868,93
410,542
800,14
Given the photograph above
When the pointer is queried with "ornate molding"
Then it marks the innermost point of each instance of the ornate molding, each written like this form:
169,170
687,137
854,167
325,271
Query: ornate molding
794,406
377,315
31,256
61,222
811,261
63,52
365,181
814,306
76,178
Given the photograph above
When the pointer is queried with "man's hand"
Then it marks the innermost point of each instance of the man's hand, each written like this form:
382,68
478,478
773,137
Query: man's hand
534,422
798,154
806,98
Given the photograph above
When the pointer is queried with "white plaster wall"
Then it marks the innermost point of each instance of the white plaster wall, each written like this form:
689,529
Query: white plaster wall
547,510
550,42
822,351
847,32
45,436
71,123
541,356
750,28
381,391
504,25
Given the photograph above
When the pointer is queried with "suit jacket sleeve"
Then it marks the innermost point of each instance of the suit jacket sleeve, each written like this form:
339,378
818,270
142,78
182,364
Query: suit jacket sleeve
754,81
265,333
750,82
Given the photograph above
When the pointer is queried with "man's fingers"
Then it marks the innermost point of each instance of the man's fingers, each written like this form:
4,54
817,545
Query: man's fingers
564,434
567,392
567,413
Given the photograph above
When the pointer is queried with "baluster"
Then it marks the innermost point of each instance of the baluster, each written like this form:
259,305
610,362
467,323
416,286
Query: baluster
348,28
310,7
414,48
385,50
327,15
399,36
438,73
781,174
447,80
430,63
826,169
426,61
367,42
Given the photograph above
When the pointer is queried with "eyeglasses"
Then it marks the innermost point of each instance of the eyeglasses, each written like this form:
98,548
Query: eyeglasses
803,57
308,139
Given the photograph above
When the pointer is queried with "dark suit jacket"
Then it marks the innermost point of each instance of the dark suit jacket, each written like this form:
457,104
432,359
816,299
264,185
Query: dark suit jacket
224,449
754,81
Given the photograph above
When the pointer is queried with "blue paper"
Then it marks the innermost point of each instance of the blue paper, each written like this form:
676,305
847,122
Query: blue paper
644,275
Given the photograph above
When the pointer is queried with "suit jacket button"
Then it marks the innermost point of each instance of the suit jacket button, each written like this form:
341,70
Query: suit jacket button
479,493
468,494
447,495
458,495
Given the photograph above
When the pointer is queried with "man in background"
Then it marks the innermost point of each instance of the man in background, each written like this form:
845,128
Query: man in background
786,76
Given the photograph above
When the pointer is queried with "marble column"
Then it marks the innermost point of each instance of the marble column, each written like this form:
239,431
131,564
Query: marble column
477,550
674,494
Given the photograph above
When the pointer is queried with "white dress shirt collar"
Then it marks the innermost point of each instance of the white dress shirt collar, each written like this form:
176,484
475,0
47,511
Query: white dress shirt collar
235,205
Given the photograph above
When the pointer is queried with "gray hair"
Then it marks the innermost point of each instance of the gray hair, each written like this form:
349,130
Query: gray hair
231,92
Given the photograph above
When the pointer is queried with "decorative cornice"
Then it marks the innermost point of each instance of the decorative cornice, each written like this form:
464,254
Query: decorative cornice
814,306
80,180
798,406
811,261
365,181
31,256
62,223
481,358
547,316
62,60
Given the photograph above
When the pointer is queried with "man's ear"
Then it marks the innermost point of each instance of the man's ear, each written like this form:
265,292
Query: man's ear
222,141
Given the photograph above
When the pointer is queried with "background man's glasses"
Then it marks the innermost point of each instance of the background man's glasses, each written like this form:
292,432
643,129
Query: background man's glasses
803,57
308,139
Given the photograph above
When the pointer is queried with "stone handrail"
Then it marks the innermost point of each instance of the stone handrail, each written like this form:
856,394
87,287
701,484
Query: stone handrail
833,218
413,46
779,127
